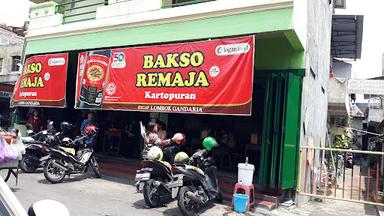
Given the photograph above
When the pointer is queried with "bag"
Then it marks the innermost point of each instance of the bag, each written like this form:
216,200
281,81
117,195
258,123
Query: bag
10,153
2,149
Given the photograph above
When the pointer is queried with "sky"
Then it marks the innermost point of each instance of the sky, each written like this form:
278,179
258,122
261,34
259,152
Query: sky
370,64
14,12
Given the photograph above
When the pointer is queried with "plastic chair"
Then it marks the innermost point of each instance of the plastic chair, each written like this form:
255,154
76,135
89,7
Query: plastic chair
249,190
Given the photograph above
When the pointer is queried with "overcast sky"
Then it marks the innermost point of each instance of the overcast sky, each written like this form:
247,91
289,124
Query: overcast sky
370,64
14,12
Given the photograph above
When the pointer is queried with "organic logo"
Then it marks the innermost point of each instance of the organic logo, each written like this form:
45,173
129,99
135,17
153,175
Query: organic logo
95,73
56,61
232,49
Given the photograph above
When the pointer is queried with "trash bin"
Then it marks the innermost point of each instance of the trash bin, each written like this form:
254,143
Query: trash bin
240,202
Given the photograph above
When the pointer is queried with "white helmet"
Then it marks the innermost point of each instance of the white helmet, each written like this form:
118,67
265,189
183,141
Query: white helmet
155,153
48,208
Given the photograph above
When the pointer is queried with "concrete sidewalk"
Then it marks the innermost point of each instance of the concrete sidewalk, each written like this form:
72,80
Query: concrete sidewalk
327,207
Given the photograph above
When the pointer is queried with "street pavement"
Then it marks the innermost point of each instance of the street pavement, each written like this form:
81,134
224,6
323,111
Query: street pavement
111,196
84,195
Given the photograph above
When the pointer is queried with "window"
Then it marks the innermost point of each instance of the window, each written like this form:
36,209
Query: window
16,63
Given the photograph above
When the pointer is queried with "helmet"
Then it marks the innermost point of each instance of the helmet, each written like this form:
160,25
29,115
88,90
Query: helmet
155,153
178,138
209,143
90,129
181,158
48,207
65,126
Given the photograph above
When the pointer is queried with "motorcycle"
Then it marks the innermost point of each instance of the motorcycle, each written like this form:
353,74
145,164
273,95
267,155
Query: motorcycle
37,149
158,182
169,153
66,160
200,184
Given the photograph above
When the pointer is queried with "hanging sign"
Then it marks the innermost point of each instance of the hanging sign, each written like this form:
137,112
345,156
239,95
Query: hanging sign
42,82
212,77
368,87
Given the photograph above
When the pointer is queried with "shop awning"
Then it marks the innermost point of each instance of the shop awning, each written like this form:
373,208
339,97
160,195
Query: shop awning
347,34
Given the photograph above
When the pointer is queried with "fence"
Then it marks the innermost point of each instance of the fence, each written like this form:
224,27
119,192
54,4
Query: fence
342,174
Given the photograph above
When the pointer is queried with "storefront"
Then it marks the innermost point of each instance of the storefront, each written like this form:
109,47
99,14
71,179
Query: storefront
149,72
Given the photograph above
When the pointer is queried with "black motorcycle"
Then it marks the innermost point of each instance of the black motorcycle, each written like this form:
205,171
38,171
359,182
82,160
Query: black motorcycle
158,181
147,171
200,184
67,160
36,151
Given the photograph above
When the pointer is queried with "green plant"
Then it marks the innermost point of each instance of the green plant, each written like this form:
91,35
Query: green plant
341,142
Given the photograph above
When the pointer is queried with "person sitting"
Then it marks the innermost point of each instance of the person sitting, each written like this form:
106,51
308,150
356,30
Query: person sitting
151,139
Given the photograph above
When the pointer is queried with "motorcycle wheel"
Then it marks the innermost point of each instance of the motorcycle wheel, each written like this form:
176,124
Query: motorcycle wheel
186,205
151,196
28,163
95,167
53,173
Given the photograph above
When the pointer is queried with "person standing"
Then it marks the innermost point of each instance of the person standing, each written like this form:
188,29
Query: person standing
90,120
36,121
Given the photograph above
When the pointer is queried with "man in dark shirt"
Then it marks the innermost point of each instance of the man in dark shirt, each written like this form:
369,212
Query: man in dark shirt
87,122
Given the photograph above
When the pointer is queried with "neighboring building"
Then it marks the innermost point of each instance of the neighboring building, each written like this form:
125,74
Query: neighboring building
347,31
292,62
11,48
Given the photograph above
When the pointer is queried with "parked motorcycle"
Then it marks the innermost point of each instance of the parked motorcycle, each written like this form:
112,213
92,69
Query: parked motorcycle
168,154
66,160
200,183
37,149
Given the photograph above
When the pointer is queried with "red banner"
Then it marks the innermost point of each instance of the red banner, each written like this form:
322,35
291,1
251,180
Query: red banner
214,76
42,82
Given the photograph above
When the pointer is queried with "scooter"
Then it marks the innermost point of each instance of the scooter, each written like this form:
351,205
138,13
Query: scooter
66,161
169,153
200,184
158,182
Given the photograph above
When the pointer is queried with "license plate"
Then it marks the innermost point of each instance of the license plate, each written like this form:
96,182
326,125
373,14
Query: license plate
142,176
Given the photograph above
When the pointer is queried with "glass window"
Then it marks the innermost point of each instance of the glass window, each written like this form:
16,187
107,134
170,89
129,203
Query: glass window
16,63
1,64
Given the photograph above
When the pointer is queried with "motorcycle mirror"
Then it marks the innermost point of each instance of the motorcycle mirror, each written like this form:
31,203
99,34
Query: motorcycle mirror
66,139
57,133
45,132
48,207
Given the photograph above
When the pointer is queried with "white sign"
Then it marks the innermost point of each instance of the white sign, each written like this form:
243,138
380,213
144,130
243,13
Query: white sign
373,87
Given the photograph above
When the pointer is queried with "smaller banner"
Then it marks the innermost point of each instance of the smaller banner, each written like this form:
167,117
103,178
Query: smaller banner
42,82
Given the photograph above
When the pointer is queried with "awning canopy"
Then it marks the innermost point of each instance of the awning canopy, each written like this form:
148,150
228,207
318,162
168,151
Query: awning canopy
347,34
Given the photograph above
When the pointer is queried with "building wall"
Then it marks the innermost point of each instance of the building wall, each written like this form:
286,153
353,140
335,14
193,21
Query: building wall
317,64
10,45
341,69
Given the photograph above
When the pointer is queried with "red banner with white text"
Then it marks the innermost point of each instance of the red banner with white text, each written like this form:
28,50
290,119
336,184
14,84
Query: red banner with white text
213,77
42,82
